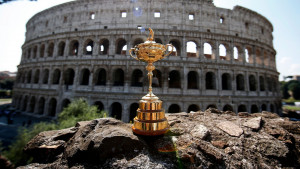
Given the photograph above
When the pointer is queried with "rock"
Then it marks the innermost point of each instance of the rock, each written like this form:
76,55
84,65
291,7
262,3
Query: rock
101,139
5,164
48,144
228,150
195,140
200,132
213,110
230,128
219,144
243,114
253,123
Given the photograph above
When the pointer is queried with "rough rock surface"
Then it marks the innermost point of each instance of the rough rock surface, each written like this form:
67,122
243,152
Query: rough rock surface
194,141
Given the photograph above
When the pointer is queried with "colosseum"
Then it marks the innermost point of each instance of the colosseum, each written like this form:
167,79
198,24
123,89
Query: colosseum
222,58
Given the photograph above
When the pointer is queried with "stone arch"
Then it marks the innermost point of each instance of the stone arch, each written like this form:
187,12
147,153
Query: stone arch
137,41
65,103
226,81
29,76
208,51
45,76
88,47
137,78
132,111
270,86
193,107
116,110
36,76
240,82
193,80
158,40
24,105
69,75
104,46
34,52
99,105
174,79
254,109
120,44
23,78
176,49
157,78
242,108
56,76
249,55
258,56
85,77
32,105
28,53
100,77
261,83
52,107
191,49
174,108
50,50
227,107
211,106
42,50
41,105
118,77
263,107
272,109
266,59
73,48
223,52
236,54
61,48
210,81
252,83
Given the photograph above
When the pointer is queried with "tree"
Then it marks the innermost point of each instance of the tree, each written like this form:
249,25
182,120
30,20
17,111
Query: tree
290,89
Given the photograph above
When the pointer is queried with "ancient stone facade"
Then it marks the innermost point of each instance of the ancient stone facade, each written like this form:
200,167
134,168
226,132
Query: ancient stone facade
223,58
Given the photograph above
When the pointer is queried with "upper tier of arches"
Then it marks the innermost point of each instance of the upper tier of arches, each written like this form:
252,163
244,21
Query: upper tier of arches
194,16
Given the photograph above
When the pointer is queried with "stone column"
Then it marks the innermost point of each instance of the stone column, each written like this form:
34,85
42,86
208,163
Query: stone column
215,51
95,47
125,113
112,46
183,53
200,49
67,48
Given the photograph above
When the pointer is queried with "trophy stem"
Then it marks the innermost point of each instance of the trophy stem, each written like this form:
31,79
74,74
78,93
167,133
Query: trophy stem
150,67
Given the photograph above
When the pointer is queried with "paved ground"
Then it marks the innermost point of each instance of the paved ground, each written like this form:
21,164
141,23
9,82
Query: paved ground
8,132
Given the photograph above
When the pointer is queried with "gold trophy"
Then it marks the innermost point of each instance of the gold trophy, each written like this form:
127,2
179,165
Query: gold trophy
150,119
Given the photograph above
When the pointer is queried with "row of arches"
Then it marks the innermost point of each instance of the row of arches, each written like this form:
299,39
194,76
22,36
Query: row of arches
192,48
51,107
138,79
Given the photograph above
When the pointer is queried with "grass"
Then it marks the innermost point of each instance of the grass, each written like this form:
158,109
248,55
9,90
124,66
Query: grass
290,100
5,100
295,108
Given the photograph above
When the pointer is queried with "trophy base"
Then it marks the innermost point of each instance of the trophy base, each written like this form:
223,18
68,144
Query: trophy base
150,119
150,128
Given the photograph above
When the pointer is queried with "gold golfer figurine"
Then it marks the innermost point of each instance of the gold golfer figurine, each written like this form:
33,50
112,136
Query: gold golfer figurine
150,119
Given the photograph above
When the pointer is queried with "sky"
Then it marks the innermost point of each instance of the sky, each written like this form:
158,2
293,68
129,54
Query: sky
283,14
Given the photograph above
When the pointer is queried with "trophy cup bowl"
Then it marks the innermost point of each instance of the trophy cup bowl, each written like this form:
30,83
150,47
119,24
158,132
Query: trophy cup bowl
150,119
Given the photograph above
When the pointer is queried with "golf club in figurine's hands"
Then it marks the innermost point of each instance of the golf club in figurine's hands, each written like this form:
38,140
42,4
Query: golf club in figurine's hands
150,119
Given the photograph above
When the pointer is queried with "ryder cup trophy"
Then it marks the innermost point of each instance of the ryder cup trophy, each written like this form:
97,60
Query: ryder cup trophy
150,119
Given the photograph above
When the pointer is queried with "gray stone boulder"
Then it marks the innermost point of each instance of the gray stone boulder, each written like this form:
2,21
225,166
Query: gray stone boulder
195,140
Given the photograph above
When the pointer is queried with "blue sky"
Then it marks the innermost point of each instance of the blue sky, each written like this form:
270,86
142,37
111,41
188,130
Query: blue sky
283,14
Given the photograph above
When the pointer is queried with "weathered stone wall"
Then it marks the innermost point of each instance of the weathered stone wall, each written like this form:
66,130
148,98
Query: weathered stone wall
76,50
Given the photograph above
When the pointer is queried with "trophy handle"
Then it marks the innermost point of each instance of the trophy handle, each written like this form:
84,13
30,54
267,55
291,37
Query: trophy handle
167,49
130,52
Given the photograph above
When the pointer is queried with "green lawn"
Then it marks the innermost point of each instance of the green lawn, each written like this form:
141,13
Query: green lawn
292,108
5,100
